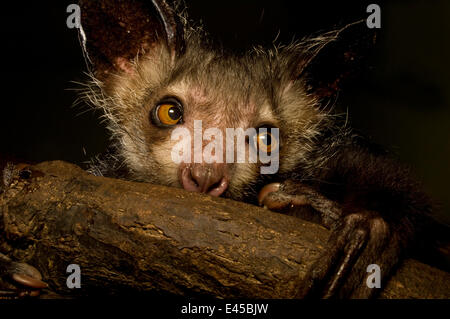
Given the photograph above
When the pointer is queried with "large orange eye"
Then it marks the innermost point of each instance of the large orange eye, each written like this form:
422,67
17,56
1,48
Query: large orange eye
169,113
266,142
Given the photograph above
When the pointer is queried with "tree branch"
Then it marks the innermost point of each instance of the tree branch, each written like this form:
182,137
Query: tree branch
141,238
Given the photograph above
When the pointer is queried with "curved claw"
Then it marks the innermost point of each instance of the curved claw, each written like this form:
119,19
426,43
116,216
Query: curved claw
266,190
360,240
351,252
28,278
29,281
276,197
27,275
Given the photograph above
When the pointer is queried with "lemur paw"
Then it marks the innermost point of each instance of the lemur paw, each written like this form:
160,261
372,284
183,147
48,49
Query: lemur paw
18,280
357,241
294,198
360,240
277,197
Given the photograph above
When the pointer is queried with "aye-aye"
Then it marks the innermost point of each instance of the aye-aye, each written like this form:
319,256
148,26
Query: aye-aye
152,72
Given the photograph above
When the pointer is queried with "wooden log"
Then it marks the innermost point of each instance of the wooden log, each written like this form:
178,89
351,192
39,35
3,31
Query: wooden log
138,238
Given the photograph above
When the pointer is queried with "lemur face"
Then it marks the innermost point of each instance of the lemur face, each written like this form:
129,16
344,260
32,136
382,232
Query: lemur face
161,84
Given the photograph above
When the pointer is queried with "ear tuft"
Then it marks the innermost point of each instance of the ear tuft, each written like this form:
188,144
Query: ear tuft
335,57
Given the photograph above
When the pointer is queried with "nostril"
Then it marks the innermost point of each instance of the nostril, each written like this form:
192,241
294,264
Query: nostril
194,181
188,181
200,182
218,188
215,185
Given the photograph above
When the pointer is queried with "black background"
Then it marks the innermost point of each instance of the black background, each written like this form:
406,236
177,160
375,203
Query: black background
403,103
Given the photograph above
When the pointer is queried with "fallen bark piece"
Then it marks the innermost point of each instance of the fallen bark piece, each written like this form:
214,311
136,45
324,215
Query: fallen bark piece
130,238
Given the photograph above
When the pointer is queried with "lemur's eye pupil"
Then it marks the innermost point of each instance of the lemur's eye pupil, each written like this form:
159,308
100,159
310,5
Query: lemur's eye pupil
266,142
266,139
174,113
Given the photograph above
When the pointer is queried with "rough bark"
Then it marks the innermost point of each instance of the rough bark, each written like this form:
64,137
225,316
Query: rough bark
140,238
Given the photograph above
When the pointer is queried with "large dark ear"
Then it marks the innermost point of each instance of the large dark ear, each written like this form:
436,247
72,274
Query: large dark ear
113,32
332,59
